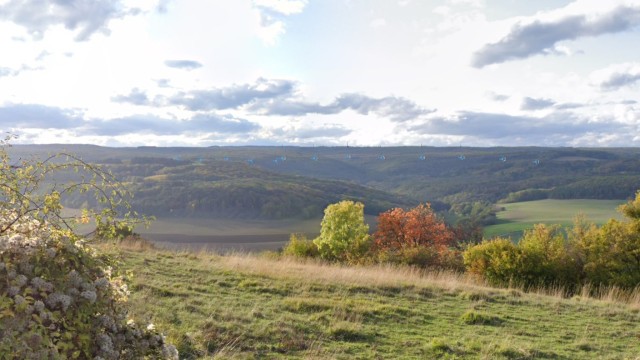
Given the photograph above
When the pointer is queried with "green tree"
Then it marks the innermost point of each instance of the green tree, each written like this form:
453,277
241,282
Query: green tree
344,235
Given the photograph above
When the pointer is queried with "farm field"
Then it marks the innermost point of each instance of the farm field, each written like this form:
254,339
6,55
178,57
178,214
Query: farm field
517,217
230,234
247,306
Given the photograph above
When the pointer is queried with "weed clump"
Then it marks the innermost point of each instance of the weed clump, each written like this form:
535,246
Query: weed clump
478,318
300,246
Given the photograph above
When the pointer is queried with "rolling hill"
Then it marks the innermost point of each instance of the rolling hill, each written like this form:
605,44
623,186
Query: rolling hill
284,182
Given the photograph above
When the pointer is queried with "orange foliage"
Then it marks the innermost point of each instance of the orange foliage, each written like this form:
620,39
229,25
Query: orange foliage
419,227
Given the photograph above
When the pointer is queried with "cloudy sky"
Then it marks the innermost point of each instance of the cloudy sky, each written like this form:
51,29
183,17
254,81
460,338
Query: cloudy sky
321,72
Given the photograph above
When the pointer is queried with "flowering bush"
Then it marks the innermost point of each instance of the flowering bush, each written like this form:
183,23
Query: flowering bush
58,297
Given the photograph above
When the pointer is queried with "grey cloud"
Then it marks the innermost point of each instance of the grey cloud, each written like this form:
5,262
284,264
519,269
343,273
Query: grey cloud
553,129
395,108
540,37
325,132
566,106
619,79
85,16
163,6
37,116
163,83
5,71
529,103
183,64
234,96
497,97
221,124
30,116
278,97
149,124
135,97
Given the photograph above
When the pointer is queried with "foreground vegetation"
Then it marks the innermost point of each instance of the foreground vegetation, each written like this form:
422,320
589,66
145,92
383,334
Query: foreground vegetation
247,306
58,298
546,256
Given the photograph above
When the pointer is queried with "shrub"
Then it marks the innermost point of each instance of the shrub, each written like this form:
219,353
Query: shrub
612,255
542,258
601,256
498,260
58,298
547,258
62,300
300,246
424,257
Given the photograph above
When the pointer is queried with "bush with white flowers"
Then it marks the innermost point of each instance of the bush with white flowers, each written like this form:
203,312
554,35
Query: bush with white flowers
59,299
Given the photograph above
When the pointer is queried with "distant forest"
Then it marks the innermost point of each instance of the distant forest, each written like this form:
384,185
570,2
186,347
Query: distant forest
299,182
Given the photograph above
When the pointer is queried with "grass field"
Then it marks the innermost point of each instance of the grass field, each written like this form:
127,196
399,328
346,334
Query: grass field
250,307
229,234
520,216
226,234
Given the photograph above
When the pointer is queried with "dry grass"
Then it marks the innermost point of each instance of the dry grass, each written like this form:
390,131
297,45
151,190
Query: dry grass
383,275
377,275
400,276
240,306
138,244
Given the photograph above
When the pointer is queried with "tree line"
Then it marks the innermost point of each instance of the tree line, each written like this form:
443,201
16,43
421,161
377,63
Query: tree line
546,256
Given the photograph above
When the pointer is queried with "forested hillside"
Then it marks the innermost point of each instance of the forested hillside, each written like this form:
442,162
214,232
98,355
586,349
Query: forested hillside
282,182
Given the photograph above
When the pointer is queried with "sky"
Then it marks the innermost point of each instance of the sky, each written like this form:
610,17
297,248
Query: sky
321,72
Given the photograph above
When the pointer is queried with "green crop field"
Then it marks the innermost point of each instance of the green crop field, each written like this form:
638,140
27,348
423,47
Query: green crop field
517,217
255,307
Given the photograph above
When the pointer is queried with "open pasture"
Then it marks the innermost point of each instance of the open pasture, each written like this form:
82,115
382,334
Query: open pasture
247,307
520,216
226,234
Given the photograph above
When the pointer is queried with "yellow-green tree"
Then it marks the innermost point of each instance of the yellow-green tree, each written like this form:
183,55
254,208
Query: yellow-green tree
344,235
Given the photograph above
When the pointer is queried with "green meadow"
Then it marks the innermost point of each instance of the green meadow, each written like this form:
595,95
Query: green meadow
261,307
514,218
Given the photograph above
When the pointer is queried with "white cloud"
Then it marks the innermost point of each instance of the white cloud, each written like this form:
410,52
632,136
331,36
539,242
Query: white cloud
272,17
378,23
471,3
346,80
284,7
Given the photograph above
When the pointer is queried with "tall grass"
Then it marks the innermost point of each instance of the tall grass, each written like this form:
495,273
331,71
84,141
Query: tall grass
383,275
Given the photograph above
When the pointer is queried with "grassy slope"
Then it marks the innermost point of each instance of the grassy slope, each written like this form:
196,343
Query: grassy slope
523,215
250,307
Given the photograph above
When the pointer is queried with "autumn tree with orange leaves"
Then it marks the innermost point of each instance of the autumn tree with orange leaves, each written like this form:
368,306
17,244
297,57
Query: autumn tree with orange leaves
416,237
